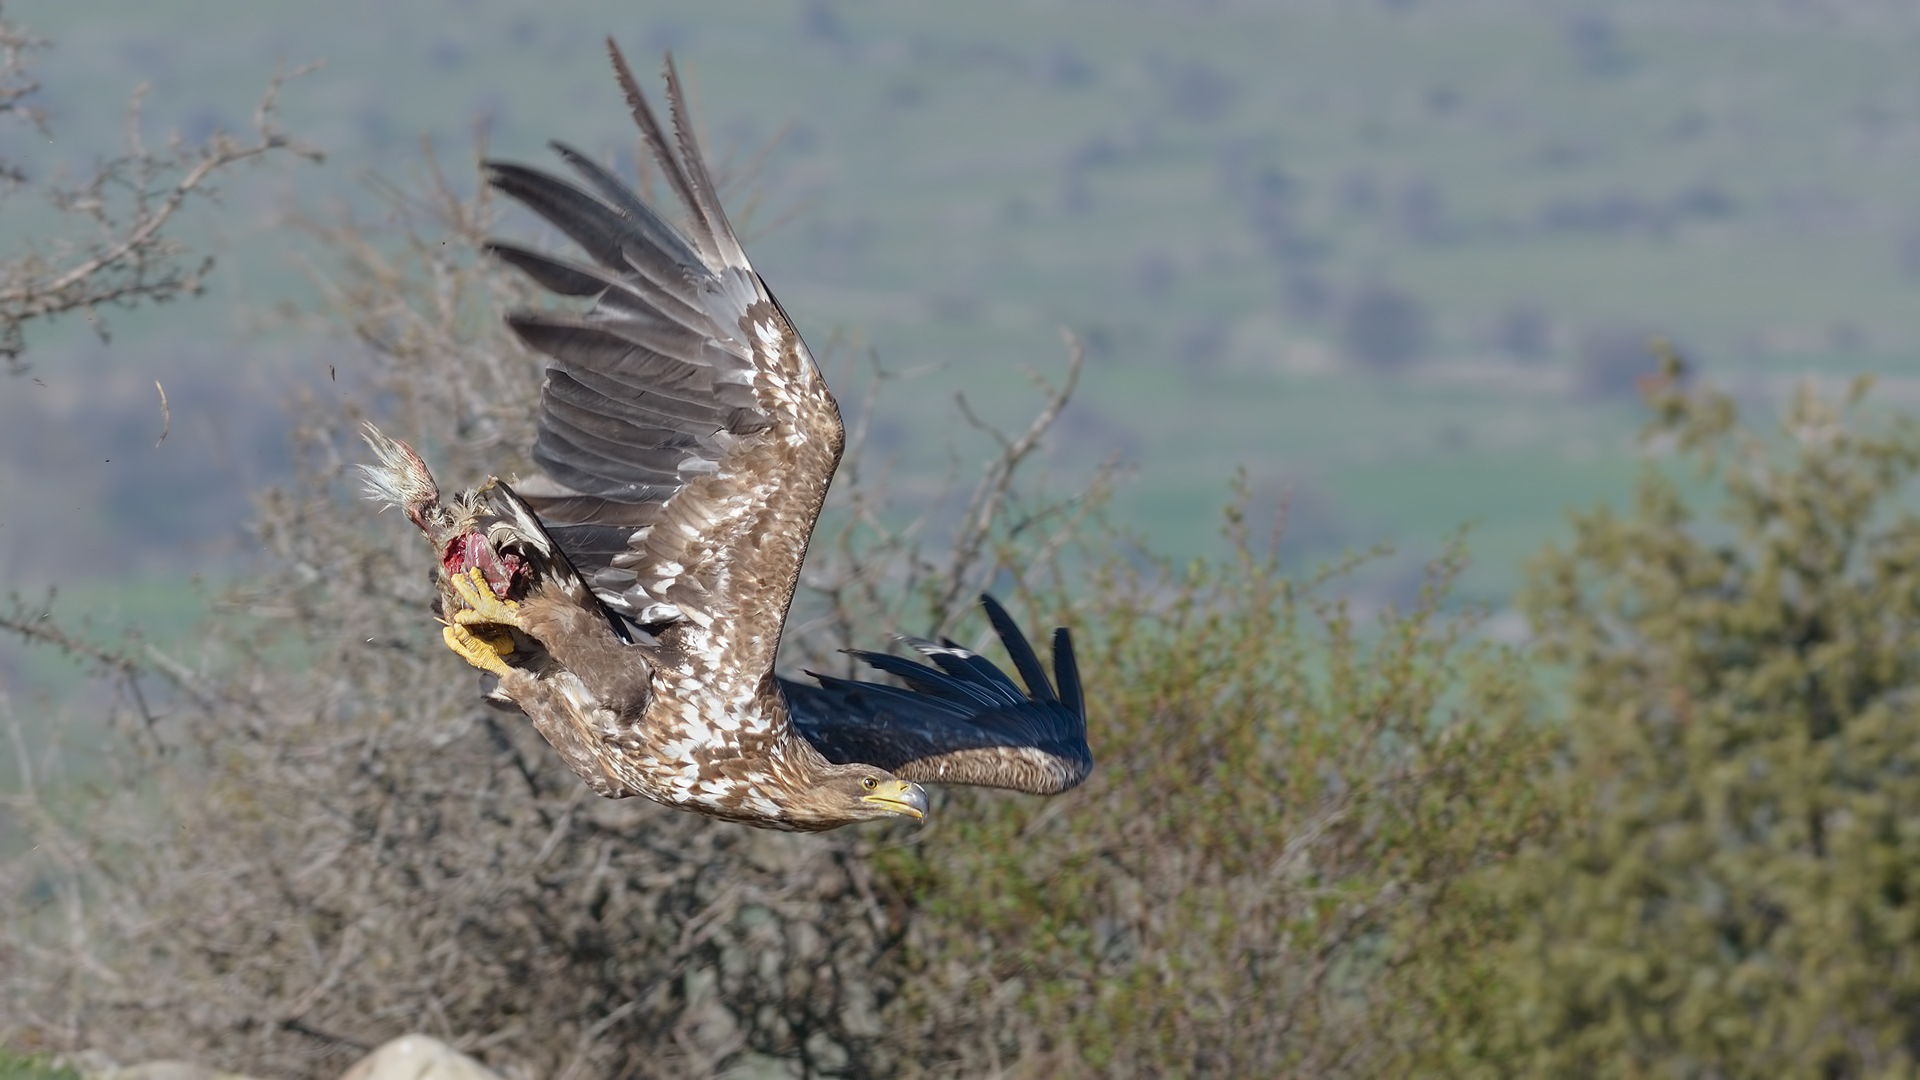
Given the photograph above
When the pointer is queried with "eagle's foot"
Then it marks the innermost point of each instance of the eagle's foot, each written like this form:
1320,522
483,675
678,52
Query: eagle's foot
476,609
486,652
482,607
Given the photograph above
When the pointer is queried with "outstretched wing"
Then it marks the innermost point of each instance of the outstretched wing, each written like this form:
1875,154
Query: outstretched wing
686,438
960,721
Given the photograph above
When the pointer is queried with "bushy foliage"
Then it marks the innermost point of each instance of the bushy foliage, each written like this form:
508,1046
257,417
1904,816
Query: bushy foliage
312,837
19,1068
323,840
1287,793
1736,893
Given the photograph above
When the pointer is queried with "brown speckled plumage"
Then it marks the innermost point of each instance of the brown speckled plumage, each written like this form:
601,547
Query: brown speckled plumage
630,598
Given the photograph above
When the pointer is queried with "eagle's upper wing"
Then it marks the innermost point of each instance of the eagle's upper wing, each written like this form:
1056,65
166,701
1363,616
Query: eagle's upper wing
960,722
685,436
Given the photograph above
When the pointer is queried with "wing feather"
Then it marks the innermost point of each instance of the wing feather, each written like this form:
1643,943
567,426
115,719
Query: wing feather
662,237
650,356
988,689
970,666
562,276
706,197
1066,672
600,230
656,136
682,406
1024,661
621,459
959,720
630,295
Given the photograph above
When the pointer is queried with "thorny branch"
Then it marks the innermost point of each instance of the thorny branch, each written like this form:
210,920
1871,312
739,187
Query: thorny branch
127,204
35,625
17,87
990,494
867,566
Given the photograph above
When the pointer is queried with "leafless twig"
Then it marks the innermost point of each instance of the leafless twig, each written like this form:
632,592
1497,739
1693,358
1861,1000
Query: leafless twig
127,205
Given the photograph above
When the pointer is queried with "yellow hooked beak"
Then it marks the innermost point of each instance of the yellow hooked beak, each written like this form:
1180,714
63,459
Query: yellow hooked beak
901,797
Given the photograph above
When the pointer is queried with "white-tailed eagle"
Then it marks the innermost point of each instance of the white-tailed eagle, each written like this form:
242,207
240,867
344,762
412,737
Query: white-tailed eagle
630,598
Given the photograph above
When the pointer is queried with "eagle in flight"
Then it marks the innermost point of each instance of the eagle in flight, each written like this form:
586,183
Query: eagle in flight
631,596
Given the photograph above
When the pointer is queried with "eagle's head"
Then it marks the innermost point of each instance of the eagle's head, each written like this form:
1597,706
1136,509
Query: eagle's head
842,794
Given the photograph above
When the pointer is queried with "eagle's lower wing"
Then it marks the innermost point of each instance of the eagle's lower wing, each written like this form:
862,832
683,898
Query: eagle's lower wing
686,438
962,721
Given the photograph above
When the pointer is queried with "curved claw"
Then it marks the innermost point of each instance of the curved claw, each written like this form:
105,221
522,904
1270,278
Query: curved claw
486,653
482,607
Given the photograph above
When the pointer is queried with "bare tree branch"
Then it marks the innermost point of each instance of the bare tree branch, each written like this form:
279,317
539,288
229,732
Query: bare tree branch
128,204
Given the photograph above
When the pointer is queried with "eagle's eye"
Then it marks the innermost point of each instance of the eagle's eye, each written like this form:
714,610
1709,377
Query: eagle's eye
870,783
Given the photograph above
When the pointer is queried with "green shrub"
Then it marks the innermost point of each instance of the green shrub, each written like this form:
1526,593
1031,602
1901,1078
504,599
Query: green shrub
32,1068
1286,793
1738,891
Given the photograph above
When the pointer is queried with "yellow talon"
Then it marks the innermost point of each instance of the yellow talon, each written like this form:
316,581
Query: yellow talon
485,653
477,606
482,607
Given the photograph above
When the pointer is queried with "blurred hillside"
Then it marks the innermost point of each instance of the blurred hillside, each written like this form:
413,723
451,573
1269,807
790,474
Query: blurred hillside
1397,258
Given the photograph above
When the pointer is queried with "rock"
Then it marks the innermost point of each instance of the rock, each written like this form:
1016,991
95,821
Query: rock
409,1057
95,1065
166,1070
91,1064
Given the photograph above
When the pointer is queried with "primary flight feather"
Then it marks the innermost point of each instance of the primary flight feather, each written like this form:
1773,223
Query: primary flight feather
630,597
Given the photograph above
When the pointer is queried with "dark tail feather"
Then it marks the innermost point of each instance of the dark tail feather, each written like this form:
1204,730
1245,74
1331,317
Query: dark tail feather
1067,672
1024,661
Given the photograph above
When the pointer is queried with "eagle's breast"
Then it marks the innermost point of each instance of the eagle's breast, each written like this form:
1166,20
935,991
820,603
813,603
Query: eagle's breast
710,737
